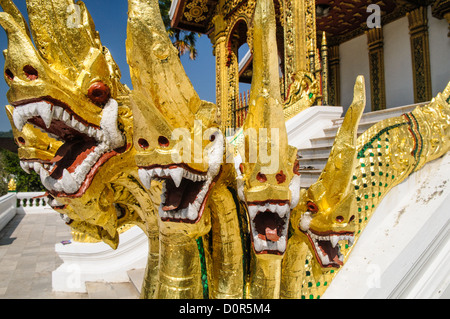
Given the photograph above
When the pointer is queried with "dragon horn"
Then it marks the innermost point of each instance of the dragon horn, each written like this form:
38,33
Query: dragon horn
9,7
265,107
64,34
155,67
337,174
19,44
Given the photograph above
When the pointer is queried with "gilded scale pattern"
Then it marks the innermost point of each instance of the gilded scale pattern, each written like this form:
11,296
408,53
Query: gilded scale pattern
205,254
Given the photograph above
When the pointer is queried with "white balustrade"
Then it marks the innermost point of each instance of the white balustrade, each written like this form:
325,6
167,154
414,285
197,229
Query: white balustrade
33,203
22,203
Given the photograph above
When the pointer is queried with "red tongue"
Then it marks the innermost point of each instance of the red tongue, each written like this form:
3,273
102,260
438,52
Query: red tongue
271,234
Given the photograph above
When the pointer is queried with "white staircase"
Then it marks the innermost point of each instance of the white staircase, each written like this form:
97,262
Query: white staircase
314,158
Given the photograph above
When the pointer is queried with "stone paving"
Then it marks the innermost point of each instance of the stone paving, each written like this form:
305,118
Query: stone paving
27,257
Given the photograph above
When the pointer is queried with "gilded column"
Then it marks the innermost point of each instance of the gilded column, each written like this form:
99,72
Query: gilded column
324,54
300,35
376,65
221,53
233,80
334,90
420,54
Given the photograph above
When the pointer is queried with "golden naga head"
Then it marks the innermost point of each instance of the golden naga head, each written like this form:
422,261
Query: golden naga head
324,216
176,133
67,105
267,174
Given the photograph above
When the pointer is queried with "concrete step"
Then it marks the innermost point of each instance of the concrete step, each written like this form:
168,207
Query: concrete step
318,151
308,177
313,163
376,116
323,141
332,131
137,278
109,290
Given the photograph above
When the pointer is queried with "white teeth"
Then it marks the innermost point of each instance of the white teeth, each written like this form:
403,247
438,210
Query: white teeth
158,171
281,210
325,259
192,213
272,207
45,111
108,134
281,244
57,112
37,167
19,121
145,178
68,183
66,117
177,175
25,167
109,126
259,244
334,240
252,210
43,174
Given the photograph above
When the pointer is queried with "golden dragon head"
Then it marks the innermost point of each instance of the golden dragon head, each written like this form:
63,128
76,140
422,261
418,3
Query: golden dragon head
267,178
176,133
67,105
324,216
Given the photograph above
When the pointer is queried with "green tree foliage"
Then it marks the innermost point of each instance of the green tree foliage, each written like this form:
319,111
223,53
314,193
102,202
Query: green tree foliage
184,41
10,168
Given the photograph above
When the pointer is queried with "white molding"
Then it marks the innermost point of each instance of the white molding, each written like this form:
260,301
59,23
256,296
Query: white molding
311,123
86,262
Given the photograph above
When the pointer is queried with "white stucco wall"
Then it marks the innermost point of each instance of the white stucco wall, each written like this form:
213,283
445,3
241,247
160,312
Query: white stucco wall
439,53
354,61
397,64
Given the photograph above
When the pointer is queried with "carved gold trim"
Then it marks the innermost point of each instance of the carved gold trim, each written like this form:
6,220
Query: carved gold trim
420,54
334,76
376,66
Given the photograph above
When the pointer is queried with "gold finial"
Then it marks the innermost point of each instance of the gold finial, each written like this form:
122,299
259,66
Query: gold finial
12,185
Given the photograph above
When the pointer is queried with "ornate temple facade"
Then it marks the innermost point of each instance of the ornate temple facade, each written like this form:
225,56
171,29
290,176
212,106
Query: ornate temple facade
400,46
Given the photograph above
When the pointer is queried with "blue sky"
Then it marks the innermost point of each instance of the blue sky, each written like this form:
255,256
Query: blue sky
111,22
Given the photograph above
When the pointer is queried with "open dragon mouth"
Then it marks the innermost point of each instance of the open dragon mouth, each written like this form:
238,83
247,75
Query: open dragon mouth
269,226
184,192
326,244
86,146
327,248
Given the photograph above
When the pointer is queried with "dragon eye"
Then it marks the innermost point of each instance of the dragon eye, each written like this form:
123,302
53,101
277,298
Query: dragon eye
312,207
99,93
